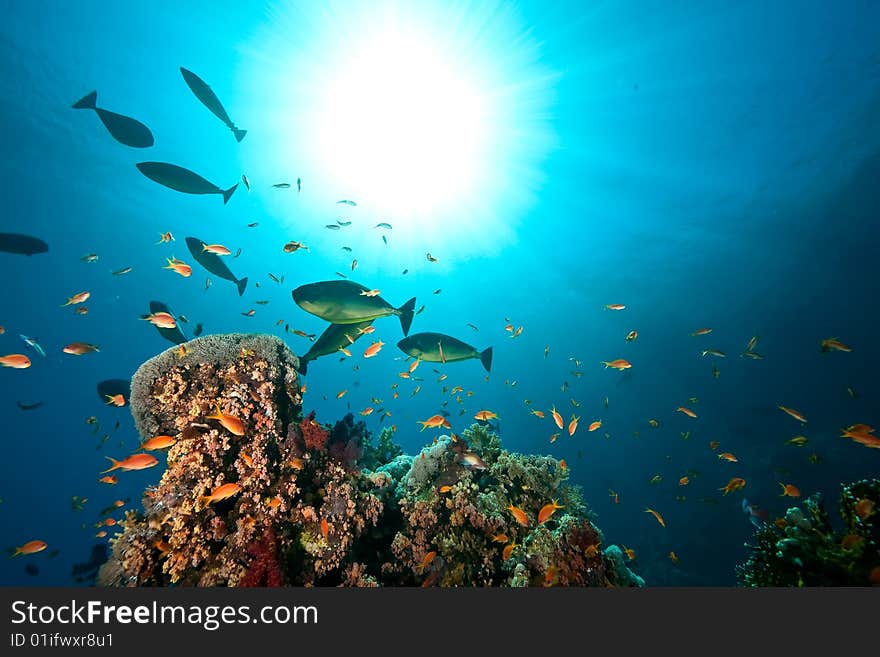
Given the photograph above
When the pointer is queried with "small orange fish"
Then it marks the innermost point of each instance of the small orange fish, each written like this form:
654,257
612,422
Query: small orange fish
165,237
547,511
366,330
860,428
231,423
632,335
714,444
592,551
557,418
163,546
793,413
538,414
426,561
367,411
614,496
727,456
656,515
414,365
341,393
617,364
864,508
702,331
82,310
325,528
222,492
733,485
249,462
31,547
563,464
833,344
158,442
554,437
370,293
551,576
630,554
519,515
686,411
80,348
508,550
444,489
789,490
573,425
594,425
101,534
435,422
614,306
485,416
216,249
109,479
15,361
115,400
373,349
273,502
80,297
179,267
684,481
296,463
500,538
138,461
673,557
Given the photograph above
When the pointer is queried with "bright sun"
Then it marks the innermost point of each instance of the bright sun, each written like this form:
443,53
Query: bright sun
434,117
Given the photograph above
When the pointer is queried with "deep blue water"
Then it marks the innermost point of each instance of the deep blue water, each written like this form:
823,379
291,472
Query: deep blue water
708,166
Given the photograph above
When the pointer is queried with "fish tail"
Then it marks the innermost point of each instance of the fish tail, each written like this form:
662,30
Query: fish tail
87,102
303,366
406,312
14,552
228,193
239,133
113,467
241,284
486,359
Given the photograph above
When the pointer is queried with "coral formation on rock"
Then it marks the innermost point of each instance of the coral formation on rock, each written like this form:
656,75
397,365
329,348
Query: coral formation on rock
803,549
322,505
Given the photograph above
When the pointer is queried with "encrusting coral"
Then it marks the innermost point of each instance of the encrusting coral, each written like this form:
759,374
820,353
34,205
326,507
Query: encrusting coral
318,505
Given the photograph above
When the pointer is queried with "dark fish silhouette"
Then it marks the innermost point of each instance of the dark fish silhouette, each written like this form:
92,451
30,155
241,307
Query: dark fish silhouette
113,387
123,129
441,348
342,302
29,407
331,341
209,99
22,244
182,180
213,263
174,335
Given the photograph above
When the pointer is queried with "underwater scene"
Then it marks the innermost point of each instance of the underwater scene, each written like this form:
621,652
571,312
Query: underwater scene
440,294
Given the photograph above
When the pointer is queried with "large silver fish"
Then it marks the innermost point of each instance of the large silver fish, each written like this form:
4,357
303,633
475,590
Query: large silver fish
123,129
209,99
331,341
441,348
182,180
341,302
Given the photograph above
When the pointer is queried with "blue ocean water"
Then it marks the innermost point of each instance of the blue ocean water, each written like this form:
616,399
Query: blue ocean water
711,166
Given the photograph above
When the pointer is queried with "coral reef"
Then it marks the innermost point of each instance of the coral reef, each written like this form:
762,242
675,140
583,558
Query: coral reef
803,549
256,494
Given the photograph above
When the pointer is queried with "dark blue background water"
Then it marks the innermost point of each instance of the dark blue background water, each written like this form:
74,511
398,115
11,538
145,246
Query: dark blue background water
711,166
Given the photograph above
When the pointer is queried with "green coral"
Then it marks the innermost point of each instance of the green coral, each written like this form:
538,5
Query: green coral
385,450
805,550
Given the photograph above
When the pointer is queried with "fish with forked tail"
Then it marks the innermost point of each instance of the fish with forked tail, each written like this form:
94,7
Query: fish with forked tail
182,180
214,264
341,302
440,348
209,99
123,129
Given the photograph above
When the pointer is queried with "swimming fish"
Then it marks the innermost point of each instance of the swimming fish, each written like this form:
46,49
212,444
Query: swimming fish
31,547
139,461
619,364
614,306
334,338
22,244
179,267
80,348
214,264
346,202
209,99
33,344
485,416
220,493
161,319
442,348
341,302
686,411
656,515
733,485
121,272
793,413
547,511
632,335
833,344
231,423
789,490
158,442
714,352
15,361
373,349
182,180
519,515
123,129
383,224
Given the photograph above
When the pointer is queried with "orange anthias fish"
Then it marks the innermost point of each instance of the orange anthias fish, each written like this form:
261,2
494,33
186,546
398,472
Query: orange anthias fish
547,511
179,266
673,557
220,493
538,414
632,335
508,550
161,320
733,485
486,416
727,456
701,331
793,413
594,425
435,422
557,418
684,481
165,237
325,528
341,393
500,538
789,490
109,479
426,561
373,349
216,249
614,496
614,306
414,365
519,515
158,442
714,444
80,348
833,344
367,411
138,461
15,361
81,297
371,293
116,400
31,547
657,516
573,425
619,364
686,411
231,423
864,508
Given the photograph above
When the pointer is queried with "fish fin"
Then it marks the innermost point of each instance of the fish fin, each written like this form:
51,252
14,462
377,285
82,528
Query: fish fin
303,367
114,466
228,193
87,102
406,315
241,284
239,134
486,359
